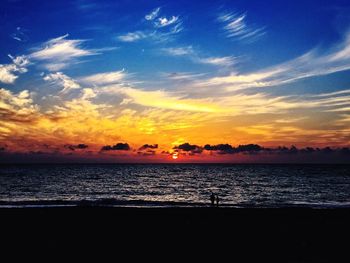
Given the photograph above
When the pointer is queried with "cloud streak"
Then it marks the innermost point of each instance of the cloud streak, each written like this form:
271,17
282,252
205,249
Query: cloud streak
59,53
310,64
153,14
105,78
237,28
190,53
62,80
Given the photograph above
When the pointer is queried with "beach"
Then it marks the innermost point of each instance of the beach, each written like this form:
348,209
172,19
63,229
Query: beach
275,234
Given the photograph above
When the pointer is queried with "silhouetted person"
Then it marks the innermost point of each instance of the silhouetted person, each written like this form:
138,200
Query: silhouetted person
212,198
217,200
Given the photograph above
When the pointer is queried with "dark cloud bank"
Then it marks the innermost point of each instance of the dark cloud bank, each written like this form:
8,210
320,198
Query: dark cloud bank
257,149
74,147
117,147
243,153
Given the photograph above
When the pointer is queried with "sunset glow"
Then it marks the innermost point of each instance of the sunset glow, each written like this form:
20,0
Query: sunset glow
134,84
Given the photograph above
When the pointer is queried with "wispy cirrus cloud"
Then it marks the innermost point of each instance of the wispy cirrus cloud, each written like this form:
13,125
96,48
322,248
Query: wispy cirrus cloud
159,28
311,64
219,61
62,80
164,21
133,36
236,27
183,76
105,78
192,54
19,35
154,13
8,72
159,99
59,53
179,51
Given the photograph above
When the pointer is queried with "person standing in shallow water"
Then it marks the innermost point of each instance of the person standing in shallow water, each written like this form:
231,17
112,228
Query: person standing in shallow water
217,200
212,198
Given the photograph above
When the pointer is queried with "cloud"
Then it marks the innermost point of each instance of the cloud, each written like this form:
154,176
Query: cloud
219,61
19,35
73,147
310,64
178,51
158,29
160,99
16,108
8,71
116,147
133,36
164,21
183,76
61,79
229,149
148,146
236,27
59,53
189,52
153,14
192,148
105,78
88,93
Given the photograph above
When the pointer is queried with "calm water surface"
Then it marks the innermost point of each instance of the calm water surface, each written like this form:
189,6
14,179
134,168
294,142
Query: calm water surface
237,185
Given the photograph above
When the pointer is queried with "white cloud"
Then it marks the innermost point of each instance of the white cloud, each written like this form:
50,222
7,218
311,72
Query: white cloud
132,36
61,79
59,52
182,76
236,27
190,53
153,14
178,51
218,61
8,71
310,64
105,78
164,21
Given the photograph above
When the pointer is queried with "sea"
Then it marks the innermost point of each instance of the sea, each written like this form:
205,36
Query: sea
175,185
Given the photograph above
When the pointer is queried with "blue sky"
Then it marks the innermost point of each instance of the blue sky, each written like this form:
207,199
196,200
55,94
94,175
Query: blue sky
269,72
288,30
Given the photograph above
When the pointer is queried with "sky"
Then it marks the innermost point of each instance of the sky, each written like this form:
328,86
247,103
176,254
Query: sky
174,81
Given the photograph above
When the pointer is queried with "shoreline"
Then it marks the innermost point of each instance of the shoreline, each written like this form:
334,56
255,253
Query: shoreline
117,203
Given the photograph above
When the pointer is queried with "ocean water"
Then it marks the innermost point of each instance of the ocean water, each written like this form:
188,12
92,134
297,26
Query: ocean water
175,185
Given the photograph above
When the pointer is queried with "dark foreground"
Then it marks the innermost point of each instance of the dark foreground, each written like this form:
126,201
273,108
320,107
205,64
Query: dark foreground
278,235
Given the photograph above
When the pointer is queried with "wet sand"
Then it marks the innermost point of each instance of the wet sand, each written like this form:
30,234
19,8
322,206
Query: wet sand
282,235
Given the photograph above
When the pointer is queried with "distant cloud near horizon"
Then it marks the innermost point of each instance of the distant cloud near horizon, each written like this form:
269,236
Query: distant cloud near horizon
116,147
148,146
73,147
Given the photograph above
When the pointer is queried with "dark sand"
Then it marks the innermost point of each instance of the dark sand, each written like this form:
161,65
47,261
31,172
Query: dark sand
279,235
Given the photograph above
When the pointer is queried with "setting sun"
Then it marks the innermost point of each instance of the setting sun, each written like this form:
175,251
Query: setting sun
175,156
